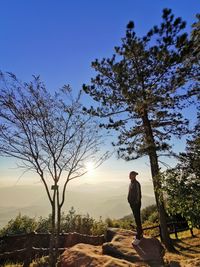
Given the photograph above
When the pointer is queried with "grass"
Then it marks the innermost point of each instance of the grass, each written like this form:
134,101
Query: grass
12,265
41,262
188,249
185,234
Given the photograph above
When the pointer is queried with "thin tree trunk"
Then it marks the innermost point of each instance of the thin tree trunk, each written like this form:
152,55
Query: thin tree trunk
58,224
53,230
156,182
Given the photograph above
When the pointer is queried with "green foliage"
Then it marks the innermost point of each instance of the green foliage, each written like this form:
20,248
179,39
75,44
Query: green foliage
151,232
19,225
44,225
150,214
153,217
83,224
195,53
183,195
124,223
71,222
182,183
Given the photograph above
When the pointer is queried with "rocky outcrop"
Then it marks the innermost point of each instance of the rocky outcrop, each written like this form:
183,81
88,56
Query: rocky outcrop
149,250
117,251
82,255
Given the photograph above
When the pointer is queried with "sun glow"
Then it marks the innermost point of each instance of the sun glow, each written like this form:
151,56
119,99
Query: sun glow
90,166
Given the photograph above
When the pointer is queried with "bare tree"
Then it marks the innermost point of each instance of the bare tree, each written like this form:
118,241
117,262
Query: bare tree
49,134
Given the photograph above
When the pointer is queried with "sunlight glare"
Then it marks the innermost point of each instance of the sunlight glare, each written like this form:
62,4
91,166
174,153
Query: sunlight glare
90,166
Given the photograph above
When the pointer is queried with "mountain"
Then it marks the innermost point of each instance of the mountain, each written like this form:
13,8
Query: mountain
106,199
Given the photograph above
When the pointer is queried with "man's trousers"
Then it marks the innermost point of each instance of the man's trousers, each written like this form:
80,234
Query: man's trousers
136,213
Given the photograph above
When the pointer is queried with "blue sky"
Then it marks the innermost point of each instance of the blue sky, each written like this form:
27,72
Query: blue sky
58,40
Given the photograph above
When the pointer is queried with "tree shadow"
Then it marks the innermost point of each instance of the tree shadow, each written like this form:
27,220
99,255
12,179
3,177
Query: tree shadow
184,248
174,264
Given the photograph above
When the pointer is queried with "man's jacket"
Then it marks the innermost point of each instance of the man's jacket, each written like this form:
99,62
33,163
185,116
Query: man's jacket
134,194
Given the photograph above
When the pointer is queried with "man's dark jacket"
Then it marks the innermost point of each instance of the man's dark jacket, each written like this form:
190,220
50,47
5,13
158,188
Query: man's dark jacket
134,194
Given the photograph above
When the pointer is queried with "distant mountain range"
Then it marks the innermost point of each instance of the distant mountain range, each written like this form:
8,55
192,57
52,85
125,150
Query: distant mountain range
106,199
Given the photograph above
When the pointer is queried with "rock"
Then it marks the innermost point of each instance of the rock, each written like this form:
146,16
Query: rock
149,250
116,252
82,255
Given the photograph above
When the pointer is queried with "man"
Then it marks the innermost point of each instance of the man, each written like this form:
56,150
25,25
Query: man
134,199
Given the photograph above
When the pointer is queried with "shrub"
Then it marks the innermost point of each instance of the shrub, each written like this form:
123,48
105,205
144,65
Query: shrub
71,222
149,213
19,225
83,224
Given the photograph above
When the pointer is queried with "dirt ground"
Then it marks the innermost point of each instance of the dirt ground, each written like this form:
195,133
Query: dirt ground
188,251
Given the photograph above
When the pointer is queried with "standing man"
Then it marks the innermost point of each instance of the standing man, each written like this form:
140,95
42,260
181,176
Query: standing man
134,199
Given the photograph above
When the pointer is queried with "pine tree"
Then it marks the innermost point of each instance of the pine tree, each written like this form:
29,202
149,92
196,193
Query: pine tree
195,52
140,90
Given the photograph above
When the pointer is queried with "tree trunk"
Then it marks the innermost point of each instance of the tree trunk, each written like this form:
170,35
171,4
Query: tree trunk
53,231
57,239
159,201
156,182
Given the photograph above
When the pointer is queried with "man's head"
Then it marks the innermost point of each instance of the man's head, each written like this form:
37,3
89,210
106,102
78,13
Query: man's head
133,175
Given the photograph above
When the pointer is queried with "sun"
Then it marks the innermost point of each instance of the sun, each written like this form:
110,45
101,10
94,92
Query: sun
90,166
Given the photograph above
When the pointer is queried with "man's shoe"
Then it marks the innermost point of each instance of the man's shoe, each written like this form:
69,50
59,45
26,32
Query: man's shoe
136,242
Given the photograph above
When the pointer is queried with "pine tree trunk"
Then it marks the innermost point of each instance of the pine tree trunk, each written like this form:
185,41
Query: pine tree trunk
159,201
152,153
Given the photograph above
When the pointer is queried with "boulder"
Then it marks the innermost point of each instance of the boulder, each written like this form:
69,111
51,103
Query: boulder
116,252
82,255
149,250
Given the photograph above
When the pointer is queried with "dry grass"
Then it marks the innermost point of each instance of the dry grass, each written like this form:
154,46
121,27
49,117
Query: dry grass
41,262
188,250
13,265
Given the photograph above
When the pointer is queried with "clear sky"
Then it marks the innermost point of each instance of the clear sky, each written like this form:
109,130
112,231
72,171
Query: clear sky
58,40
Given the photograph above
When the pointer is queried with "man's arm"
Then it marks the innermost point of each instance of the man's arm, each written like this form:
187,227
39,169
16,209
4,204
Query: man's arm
138,192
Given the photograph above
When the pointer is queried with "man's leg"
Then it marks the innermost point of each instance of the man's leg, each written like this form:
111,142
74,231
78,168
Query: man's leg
138,222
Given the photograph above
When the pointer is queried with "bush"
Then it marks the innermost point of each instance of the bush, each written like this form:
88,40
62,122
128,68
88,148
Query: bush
72,222
83,224
149,213
19,225
124,223
44,225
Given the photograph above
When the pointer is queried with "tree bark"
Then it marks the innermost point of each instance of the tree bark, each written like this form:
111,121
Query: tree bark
53,230
58,224
153,157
